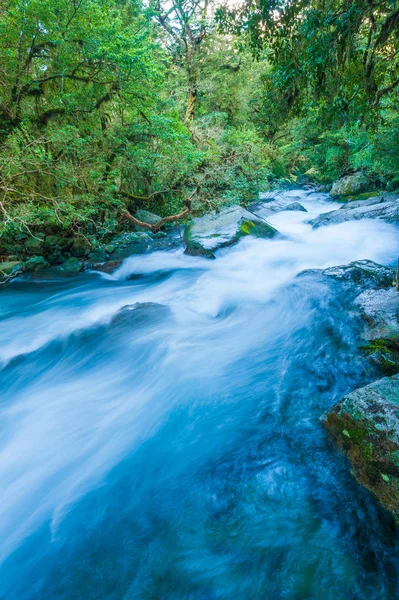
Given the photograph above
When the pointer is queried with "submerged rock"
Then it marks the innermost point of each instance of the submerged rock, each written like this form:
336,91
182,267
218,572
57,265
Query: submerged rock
206,234
384,207
366,425
349,185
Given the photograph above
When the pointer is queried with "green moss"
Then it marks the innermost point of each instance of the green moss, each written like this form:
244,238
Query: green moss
246,227
362,196
385,354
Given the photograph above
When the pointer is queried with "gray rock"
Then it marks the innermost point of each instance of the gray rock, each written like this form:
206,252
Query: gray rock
381,207
362,273
349,185
379,308
147,217
295,206
217,230
366,426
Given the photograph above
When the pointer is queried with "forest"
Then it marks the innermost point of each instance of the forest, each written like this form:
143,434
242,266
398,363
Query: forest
199,285
179,107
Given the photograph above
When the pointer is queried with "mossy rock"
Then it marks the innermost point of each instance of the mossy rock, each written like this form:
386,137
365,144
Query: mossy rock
36,263
366,426
72,266
215,230
349,185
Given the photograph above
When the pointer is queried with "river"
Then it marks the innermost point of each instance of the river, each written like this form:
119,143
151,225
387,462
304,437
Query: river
160,434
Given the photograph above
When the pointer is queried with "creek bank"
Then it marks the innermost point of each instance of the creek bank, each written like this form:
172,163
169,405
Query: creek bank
365,423
370,292
384,206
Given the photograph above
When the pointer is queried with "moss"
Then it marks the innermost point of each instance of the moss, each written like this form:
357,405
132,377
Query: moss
362,196
246,227
385,354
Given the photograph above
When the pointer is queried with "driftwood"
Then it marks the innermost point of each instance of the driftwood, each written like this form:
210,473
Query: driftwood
157,226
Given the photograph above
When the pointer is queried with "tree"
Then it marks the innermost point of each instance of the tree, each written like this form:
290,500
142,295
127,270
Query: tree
186,23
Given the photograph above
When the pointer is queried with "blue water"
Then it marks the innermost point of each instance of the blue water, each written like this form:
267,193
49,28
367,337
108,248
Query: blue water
161,434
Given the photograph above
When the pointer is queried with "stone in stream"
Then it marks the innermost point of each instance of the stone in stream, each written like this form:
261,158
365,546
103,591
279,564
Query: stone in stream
376,301
72,266
349,185
365,423
264,210
385,206
379,309
362,274
204,235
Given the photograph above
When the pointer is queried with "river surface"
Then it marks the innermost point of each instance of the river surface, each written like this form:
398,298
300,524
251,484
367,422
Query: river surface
160,434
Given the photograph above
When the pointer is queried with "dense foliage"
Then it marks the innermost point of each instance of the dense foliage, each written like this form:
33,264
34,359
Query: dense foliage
332,90
108,105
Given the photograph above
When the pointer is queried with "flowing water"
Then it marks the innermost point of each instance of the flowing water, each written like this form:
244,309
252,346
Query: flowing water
160,433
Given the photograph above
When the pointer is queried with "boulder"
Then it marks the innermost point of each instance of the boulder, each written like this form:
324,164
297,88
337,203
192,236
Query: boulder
206,234
369,290
366,426
384,207
349,185
363,274
72,266
264,210
379,309
99,256
147,217
36,263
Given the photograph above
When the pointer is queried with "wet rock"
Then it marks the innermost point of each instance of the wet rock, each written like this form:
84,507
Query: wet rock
264,210
36,263
363,274
99,256
369,292
194,248
107,267
217,230
295,206
72,266
130,243
366,426
384,207
379,309
349,185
